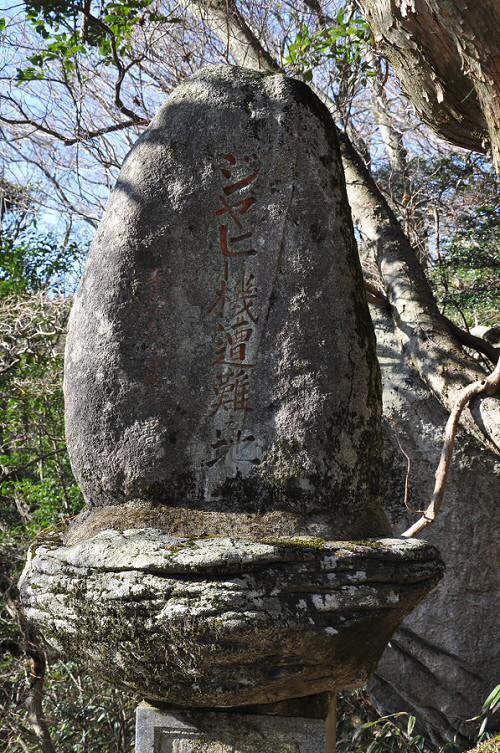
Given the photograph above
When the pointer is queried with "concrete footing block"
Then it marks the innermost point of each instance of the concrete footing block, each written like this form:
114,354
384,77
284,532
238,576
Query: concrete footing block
199,731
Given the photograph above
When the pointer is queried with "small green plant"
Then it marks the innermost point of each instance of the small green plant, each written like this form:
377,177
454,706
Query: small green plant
388,736
490,707
71,29
360,730
345,42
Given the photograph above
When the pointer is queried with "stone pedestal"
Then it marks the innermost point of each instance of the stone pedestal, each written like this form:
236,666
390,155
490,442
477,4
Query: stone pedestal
179,731
225,622
223,413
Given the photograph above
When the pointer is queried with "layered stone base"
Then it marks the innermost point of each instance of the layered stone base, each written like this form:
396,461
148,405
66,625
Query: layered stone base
196,731
222,622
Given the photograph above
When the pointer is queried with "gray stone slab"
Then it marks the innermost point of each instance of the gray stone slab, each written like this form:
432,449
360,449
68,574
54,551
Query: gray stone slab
220,353
223,622
176,731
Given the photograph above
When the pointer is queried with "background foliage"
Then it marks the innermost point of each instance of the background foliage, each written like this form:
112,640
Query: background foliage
79,79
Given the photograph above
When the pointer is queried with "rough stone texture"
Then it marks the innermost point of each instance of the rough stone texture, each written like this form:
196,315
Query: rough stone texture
222,399
220,354
444,661
176,731
220,622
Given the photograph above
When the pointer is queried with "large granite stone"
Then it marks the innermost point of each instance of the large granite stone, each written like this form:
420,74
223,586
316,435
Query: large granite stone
220,353
220,622
223,411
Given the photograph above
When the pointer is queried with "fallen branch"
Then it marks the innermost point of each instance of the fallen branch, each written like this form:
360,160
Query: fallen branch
489,386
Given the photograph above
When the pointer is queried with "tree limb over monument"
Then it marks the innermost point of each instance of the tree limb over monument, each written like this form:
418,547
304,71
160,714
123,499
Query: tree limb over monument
428,369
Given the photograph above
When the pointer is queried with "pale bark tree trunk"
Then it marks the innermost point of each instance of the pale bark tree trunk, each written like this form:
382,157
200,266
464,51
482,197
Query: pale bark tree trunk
392,138
227,23
428,342
446,54
443,662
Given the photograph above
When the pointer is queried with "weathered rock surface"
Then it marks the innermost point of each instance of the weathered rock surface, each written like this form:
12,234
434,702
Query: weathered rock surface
444,661
220,354
223,401
219,622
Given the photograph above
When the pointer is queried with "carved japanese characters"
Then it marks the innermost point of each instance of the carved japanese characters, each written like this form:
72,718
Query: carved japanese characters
220,354
223,418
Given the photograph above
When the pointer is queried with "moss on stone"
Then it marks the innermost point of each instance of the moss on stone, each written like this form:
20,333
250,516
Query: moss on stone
297,542
50,538
367,543
181,546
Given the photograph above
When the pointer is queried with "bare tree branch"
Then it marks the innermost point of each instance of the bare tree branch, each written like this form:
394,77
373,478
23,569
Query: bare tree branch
83,136
489,386
120,67
429,343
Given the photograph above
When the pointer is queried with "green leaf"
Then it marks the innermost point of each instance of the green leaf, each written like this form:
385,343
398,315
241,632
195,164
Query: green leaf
3,23
28,74
492,700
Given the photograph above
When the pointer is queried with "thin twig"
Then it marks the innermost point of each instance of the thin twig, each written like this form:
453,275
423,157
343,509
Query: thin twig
488,386
408,490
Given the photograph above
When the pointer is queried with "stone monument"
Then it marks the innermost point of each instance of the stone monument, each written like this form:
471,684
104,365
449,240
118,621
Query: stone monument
224,422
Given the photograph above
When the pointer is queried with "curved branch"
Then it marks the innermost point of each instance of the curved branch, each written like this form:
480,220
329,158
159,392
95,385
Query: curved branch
489,386
122,69
430,343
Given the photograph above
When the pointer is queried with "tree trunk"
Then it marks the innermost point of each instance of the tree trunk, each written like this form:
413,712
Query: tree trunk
425,336
446,55
227,23
442,663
